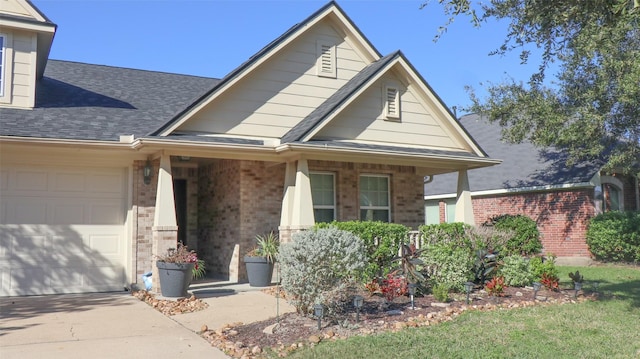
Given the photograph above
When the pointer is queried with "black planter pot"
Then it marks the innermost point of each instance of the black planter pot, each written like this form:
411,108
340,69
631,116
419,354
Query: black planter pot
175,278
259,271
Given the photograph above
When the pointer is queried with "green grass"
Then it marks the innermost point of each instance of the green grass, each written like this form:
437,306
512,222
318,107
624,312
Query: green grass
608,328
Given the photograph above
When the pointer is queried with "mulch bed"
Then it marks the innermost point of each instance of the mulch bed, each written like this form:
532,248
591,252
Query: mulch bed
291,331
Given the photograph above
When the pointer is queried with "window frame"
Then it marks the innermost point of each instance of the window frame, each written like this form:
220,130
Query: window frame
324,206
374,208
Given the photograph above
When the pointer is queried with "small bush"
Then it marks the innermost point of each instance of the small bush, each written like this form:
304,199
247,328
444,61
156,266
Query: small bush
516,271
381,240
441,292
526,240
446,233
319,266
448,264
540,267
615,236
495,287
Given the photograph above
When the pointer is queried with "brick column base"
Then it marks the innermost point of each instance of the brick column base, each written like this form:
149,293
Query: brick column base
287,231
164,237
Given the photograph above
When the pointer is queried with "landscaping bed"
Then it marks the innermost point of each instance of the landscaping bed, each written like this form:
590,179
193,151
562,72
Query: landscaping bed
291,331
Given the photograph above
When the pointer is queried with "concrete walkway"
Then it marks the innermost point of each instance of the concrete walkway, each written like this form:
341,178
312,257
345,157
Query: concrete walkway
117,325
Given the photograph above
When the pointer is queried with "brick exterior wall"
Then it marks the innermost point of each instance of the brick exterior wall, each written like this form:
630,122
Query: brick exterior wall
407,201
143,209
562,216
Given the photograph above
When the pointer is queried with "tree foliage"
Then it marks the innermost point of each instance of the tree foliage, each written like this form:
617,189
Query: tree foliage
592,108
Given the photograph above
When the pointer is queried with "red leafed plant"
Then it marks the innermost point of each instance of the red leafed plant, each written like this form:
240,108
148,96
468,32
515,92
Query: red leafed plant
495,286
549,281
393,286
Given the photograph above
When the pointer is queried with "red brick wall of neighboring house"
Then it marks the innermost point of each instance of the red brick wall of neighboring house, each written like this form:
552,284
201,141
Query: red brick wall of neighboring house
562,216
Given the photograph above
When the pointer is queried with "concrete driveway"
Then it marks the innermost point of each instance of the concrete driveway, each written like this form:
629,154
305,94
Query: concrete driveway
104,325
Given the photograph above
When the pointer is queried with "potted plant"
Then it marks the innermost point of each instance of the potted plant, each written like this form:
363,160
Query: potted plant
176,269
260,260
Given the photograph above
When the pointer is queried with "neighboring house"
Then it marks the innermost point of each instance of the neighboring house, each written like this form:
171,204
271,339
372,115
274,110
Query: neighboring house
103,168
537,183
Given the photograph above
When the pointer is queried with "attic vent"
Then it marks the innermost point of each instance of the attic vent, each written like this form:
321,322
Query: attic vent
392,103
326,65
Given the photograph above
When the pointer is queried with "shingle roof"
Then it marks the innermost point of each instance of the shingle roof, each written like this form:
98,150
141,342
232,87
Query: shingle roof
524,165
93,102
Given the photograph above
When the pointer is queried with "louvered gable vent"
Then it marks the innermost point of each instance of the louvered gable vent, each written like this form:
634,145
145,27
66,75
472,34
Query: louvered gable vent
392,103
326,66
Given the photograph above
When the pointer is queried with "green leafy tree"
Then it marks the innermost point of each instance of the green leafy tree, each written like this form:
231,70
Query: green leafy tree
592,108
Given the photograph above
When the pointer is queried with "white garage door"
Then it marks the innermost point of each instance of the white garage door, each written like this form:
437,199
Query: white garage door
62,230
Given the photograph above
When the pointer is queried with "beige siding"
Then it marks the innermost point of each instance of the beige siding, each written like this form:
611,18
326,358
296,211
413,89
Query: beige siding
20,64
13,8
281,92
362,121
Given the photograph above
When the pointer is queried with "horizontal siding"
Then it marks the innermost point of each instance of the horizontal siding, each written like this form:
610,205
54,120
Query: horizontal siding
281,92
362,121
22,88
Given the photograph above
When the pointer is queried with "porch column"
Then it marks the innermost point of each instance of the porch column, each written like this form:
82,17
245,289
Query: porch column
165,228
464,208
297,204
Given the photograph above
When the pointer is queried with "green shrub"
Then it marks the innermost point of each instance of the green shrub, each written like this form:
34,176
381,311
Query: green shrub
319,266
615,236
440,292
448,264
516,271
446,233
526,240
540,267
381,240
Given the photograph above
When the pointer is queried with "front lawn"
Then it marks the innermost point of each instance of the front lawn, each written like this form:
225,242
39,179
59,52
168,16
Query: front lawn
606,328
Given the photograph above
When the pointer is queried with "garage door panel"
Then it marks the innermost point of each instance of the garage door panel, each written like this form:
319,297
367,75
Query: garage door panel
27,211
62,230
105,183
30,180
4,180
67,213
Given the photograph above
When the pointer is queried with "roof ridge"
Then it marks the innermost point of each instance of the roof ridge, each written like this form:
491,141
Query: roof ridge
134,69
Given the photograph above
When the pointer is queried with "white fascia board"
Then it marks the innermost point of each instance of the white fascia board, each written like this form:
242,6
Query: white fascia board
60,142
514,190
23,25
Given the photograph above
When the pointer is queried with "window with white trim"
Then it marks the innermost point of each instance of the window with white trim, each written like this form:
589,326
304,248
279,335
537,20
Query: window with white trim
391,97
326,63
374,198
3,51
323,195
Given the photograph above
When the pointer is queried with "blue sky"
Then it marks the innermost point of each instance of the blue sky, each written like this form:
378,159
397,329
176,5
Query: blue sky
211,37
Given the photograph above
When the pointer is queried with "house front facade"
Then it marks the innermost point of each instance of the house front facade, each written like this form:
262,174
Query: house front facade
104,168
536,183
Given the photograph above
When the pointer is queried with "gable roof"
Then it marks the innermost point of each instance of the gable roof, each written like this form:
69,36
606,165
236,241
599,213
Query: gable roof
330,9
524,166
93,102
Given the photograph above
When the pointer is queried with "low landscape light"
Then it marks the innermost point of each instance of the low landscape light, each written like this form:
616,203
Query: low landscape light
318,311
358,301
412,292
536,288
468,286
